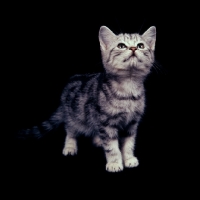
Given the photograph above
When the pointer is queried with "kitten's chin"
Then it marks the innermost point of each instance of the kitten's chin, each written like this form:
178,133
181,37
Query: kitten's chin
132,67
133,61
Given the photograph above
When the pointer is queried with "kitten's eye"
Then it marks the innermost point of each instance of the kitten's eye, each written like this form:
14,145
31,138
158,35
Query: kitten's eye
140,45
121,46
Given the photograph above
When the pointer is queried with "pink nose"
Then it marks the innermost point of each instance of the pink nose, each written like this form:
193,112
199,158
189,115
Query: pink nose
133,48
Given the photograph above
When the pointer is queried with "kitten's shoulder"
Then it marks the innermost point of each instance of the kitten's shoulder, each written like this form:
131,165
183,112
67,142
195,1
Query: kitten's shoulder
78,81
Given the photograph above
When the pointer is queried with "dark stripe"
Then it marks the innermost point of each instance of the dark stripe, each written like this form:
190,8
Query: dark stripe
108,150
124,37
137,37
111,120
114,154
146,54
84,86
131,123
74,103
119,53
110,55
127,59
105,137
106,93
91,110
99,89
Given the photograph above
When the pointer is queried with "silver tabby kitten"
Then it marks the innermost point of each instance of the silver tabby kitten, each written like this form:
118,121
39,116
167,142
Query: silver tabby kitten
102,104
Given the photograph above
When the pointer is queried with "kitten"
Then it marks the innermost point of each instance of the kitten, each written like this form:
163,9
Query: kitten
100,105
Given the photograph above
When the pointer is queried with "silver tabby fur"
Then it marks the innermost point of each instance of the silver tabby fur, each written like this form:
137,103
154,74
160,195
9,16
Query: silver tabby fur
101,105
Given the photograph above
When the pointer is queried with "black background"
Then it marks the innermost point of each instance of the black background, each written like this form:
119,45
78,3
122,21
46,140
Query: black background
45,45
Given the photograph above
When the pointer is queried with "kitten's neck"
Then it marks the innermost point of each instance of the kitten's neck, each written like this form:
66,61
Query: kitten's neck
128,78
126,86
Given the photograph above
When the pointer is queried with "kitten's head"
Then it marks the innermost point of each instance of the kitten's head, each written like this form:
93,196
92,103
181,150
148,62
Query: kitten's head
127,54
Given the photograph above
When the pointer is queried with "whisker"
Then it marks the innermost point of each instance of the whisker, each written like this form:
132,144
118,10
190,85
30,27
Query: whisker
159,68
155,68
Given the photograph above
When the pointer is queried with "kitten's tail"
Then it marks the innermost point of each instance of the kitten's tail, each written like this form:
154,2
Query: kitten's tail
39,131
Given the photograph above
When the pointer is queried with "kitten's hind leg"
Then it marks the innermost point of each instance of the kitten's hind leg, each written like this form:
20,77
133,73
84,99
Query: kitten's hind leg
128,152
70,147
113,155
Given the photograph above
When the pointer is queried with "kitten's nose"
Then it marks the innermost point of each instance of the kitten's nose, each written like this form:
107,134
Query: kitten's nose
133,48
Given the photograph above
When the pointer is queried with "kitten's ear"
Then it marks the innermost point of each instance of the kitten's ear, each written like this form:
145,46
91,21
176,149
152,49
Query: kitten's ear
150,37
106,37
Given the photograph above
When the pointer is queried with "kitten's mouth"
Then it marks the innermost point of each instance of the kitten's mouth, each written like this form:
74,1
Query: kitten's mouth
131,56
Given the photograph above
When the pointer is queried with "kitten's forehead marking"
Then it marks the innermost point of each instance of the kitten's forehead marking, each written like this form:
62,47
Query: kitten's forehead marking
130,39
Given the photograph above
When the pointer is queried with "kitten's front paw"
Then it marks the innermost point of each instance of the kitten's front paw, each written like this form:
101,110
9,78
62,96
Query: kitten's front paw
69,151
132,162
114,167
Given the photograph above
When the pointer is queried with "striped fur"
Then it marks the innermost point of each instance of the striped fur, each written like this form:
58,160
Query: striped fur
100,105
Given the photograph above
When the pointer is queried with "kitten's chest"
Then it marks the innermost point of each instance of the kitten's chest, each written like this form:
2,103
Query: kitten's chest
120,113
126,98
127,106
